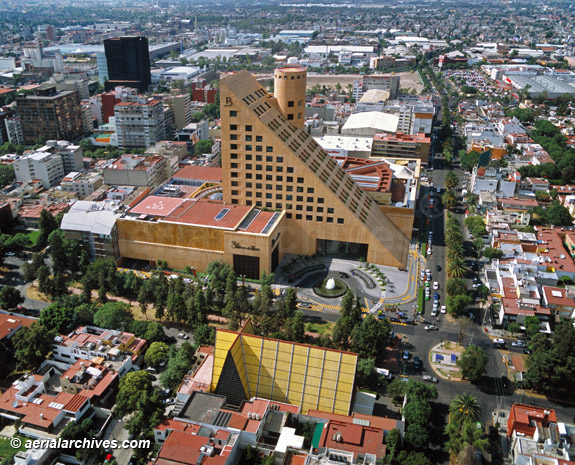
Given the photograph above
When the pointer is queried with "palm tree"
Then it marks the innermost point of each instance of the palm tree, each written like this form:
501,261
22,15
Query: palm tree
451,180
455,269
449,199
456,286
453,239
454,253
464,408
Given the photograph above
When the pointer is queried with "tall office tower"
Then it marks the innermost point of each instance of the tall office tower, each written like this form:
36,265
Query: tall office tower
50,114
271,163
128,60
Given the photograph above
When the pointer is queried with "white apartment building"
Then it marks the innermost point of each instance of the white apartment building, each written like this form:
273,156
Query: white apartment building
140,122
14,130
81,184
46,167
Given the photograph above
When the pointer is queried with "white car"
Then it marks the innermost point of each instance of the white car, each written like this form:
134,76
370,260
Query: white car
434,311
435,285
443,309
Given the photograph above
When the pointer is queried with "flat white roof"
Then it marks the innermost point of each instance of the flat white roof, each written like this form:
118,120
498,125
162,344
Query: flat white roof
372,119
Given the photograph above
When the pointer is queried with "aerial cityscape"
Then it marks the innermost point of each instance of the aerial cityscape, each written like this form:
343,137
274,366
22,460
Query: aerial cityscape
287,233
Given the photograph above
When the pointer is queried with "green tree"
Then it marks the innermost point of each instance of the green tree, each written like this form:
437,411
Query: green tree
451,180
393,444
46,224
113,315
202,147
456,286
30,270
472,363
464,408
457,304
365,375
456,269
449,199
6,175
181,360
59,318
492,253
370,338
558,215
32,344
10,297
513,327
204,335
412,458
133,386
295,327
156,354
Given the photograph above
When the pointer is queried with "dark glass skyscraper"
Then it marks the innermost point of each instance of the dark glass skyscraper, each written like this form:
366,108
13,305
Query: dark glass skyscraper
128,62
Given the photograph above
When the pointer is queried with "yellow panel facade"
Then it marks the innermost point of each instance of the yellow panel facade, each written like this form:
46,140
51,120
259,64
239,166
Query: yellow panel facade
310,377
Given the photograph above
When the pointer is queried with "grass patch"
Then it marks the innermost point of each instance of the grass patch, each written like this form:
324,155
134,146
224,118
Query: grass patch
33,238
319,327
420,301
424,249
6,450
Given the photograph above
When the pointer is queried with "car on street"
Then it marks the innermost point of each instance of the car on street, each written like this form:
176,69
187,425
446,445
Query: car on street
435,285
431,328
437,267
443,309
431,379
518,344
427,296
343,275
183,336
499,343
404,379
405,355
427,284
434,311
436,296
417,363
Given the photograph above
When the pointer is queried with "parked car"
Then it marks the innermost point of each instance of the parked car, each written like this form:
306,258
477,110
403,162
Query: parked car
434,311
435,285
431,379
431,328
417,363
443,309
405,355
518,344
437,267
343,275
183,336
436,295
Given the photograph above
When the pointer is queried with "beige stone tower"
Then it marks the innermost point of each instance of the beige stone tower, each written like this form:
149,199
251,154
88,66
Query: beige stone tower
289,90
272,164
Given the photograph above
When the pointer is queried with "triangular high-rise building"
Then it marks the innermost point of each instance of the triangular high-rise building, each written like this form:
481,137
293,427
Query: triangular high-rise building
269,161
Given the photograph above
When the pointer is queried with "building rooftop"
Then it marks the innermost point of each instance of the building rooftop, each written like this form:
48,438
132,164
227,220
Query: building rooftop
191,449
9,324
203,173
94,217
349,437
373,120
157,206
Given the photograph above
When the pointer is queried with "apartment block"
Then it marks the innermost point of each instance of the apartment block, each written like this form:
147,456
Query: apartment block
401,145
46,167
50,114
14,130
387,82
81,184
140,122
134,170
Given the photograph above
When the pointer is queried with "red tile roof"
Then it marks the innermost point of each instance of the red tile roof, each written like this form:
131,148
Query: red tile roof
354,438
11,323
203,173
184,448
203,213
